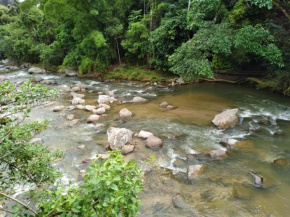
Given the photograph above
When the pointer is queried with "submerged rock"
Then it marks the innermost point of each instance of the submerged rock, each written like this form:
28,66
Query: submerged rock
257,179
138,99
218,154
153,142
194,171
179,202
70,117
118,137
281,162
93,118
58,108
144,134
226,119
125,113
99,126
229,143
74,122
82,147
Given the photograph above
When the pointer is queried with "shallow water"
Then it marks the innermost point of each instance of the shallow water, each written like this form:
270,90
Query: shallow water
224,189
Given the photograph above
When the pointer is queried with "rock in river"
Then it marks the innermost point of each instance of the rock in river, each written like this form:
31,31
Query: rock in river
258,180
144,134
126,149
74,122
58,108
226,119
99,111
36,70
70,117
218,154
164,105
138,99
105,99
93,118
125,113
77,101
153,142
118,137
194,170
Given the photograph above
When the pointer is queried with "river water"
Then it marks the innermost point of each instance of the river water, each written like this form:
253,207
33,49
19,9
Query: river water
224,188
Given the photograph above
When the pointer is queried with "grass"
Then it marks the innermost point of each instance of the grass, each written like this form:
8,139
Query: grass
132,73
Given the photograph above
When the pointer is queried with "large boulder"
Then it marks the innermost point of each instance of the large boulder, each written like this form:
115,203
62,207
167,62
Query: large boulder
36,70
93,118
144,134
153,142
138,99
125,113
105,99
226,119
118,137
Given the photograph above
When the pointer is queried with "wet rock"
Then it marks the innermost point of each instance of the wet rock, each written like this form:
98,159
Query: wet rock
144,134
179,163
257,179
36,79
73,122
164,105
180,81
77,101
218,154
138,99
80,107
148,89
99,126
70,117
126,149
125,113
93,118
155,83
264,122
118,137
89,108
153,142
229,143
107,107
82,147
194,171
240,191
77,95
76,89
281,162
36,141
25,65
170,107
71,72
103,156
111,93
226,119
179,202
36,70
49,82
58,108
70,107
105,99
100,111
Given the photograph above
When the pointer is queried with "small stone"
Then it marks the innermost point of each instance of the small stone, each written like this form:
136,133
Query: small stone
170,107
70,117
82,147
125,113
76,89
73,122
229,143
36,141
107,107
93,118
138,99
218,154
164,105
99,126
100,111
70,108
194,171
281,162
89,108
58,108
126,149
153,142
144,134
77,101
81,107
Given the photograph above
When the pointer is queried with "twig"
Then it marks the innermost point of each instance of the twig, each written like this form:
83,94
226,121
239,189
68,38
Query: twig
6,210
17,201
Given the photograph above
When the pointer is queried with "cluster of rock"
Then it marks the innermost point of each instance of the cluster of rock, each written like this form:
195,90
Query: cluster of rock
167,106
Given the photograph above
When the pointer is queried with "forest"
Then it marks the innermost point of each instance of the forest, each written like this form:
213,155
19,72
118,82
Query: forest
192,39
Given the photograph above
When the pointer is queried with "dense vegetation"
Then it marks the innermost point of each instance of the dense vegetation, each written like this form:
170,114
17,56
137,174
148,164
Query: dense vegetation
189,38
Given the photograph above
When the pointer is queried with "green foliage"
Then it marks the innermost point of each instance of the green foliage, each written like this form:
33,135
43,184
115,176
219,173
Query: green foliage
110,188
21,161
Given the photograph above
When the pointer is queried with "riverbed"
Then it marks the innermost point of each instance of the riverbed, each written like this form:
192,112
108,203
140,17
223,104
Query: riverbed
224,188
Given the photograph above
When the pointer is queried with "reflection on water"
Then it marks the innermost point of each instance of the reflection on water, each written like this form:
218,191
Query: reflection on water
224,189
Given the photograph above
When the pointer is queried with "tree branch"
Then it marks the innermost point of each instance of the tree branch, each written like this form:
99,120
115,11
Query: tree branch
285,12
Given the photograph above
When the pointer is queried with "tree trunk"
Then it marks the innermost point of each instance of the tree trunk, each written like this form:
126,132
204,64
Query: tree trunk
189,3
280,7
118,52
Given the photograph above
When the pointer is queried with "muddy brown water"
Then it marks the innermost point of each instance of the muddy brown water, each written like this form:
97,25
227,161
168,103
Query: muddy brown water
224,189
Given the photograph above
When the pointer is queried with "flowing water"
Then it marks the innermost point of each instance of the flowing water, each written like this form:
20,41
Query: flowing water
224,188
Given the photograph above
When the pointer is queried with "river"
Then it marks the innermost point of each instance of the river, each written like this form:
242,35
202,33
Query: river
224,188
